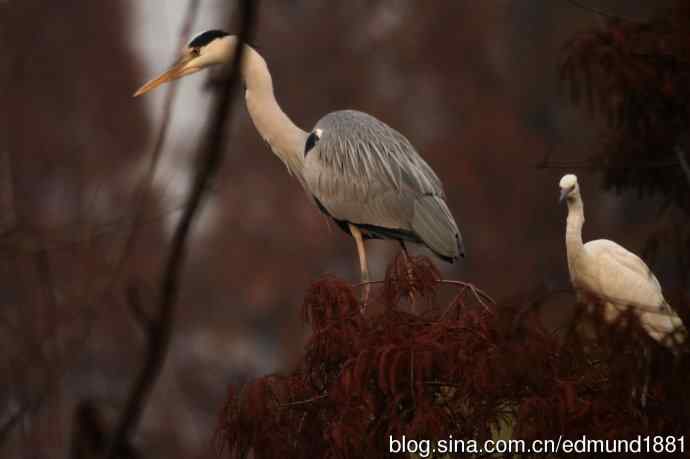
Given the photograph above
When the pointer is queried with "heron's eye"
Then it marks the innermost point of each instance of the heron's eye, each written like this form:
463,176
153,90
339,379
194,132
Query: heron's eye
311,142
195,52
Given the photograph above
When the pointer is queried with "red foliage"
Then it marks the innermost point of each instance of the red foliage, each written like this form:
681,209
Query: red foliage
638,75
466,374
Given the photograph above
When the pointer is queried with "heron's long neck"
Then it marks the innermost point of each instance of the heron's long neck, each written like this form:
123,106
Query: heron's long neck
573,230
285,138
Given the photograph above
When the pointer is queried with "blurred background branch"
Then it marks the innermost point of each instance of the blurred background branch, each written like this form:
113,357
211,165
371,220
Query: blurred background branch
160,329
601,12
682,159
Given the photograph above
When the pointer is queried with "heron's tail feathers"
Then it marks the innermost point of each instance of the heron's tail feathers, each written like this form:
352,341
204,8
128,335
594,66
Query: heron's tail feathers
435,225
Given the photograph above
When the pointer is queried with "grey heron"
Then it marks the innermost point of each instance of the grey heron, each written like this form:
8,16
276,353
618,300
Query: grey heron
360,172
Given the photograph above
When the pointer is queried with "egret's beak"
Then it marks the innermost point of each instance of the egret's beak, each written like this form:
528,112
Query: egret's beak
181,68
564,193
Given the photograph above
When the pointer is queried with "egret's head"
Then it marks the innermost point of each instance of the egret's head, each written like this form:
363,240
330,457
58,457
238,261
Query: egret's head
204,50
569,187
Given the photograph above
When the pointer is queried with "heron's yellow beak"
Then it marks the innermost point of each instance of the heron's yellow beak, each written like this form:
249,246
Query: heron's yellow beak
181,68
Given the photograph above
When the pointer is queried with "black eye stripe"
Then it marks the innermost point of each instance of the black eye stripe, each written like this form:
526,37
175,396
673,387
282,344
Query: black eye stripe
311,142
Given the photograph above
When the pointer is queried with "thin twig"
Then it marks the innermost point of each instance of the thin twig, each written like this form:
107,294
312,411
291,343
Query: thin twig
412,391
455,301
7,202
477,292
575,164
304,402
11,422
211,157
442,384
601,12
680,153
14,419
142,317
363,283
13,246
141,194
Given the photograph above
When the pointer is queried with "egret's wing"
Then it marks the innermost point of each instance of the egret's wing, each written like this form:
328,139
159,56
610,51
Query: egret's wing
621,255
623,278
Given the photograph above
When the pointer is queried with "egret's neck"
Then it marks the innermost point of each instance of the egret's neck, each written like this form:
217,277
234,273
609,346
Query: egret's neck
573,230
285,138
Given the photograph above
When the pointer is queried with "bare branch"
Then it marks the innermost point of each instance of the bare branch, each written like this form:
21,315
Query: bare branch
141,194
16,244
12,421
587,164
681,155
601,12
8,219
142,317
210,162
25,409
304,402
477,292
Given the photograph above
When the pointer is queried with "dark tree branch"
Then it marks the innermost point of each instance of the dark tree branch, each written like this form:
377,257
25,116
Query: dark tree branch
135,306
680,153
586,164
8,219
601,12
304,402
11,422
214,143
12,246
141,194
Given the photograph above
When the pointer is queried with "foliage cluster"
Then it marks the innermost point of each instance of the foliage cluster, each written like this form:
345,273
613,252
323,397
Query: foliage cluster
466,368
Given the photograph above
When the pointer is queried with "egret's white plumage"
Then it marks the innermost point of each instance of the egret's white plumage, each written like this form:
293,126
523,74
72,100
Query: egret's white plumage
604,273
361,172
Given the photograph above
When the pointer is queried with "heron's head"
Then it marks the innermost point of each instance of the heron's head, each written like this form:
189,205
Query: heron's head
204,50
569,187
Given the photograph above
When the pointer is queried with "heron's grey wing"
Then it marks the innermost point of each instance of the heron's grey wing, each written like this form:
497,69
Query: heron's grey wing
434,223
364,172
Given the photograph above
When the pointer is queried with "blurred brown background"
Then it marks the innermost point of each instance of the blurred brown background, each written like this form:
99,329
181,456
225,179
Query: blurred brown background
473,85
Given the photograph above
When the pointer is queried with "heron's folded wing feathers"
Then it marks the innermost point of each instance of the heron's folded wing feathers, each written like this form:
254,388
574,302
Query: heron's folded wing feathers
365,172
434,224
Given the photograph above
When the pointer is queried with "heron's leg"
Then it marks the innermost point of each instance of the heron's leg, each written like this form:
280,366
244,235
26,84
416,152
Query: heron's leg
363,266
410,274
